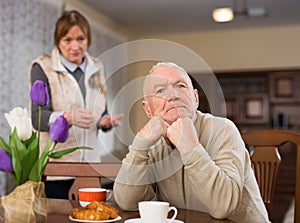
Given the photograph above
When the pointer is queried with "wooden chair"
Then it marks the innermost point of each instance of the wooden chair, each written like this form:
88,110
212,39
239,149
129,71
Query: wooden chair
85,174
266,160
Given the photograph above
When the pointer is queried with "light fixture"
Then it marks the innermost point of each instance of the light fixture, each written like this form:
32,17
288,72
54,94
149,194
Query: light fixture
223,14
256,12
239,8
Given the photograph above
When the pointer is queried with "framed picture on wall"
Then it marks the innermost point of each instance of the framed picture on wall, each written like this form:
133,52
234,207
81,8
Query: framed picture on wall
255,108
284,87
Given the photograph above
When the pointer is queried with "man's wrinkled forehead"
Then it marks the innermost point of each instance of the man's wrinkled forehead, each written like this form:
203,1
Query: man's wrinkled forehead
153,81
163,75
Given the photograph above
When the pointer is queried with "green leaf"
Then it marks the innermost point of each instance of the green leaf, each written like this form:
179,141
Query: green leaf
29,141
4,146
20,149
16,162
59,154
30,157
17,153
33,148
39,166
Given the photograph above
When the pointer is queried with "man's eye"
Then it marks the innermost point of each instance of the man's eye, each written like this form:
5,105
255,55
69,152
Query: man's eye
181,86
160,91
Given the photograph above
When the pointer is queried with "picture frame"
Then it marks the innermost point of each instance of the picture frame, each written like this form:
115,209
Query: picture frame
284,87
255,109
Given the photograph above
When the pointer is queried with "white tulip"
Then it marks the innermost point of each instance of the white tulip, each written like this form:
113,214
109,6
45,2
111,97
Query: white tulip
20,119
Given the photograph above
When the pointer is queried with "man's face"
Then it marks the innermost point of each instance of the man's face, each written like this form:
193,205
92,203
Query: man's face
169,94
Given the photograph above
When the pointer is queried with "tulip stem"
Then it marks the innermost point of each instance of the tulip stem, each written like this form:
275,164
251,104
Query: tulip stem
39,122
53,147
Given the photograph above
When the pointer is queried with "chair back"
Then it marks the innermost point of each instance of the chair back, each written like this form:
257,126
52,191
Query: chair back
85,174
266,160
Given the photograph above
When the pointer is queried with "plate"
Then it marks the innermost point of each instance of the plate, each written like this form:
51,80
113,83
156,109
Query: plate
96,221
138,220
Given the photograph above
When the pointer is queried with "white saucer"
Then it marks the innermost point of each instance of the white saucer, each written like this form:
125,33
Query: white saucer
138,220
95,221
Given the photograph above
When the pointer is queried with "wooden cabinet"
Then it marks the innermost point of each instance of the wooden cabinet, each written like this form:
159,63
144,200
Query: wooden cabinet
285,99
265,99
247,101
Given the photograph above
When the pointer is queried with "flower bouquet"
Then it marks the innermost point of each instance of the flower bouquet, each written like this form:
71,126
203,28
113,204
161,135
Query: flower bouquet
26,164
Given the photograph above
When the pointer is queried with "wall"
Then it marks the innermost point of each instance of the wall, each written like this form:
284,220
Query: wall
243,49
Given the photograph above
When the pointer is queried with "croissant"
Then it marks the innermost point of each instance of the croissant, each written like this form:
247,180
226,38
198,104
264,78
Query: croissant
89,214
95,211
99,206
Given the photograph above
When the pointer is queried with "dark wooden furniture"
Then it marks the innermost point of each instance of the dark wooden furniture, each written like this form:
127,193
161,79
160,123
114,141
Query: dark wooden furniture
262,99
59,209
85,174
270,140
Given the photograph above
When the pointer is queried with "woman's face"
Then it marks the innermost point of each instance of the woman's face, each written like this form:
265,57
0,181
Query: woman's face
74,45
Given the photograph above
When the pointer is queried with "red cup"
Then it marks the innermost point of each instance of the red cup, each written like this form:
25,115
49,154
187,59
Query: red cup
88,195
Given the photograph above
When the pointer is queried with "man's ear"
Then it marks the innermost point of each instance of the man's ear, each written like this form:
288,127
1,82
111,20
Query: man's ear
147,108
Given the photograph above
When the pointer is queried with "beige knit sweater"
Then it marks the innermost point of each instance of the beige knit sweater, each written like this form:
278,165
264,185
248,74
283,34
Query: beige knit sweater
215,177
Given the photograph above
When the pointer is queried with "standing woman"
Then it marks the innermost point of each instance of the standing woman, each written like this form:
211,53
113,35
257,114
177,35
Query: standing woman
77,91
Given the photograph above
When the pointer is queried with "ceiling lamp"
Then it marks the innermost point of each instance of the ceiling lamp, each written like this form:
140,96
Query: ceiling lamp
256,12
240,8
222,14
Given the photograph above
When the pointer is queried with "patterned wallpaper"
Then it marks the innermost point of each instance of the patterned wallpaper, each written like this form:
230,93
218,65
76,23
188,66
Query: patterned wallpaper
26,30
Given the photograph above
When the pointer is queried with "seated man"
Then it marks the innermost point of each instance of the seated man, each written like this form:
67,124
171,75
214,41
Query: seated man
190,159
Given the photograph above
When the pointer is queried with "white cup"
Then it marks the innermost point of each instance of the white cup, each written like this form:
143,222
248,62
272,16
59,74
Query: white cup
156,211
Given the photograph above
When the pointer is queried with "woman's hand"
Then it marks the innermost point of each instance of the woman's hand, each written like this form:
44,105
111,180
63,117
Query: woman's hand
108,122
80,117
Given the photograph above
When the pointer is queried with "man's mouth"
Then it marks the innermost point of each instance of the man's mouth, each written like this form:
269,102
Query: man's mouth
172,108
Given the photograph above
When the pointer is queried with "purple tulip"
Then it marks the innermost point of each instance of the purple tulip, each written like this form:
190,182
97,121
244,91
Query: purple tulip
59,130
39,93
5,162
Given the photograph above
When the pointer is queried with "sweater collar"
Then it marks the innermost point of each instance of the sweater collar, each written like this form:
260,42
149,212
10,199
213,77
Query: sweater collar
72,66
57,64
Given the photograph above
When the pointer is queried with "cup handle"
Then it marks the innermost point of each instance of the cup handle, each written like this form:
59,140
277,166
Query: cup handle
108,194
174,215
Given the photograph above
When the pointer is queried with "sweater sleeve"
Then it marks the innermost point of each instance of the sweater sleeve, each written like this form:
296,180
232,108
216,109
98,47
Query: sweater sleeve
216,172
37,73
133,183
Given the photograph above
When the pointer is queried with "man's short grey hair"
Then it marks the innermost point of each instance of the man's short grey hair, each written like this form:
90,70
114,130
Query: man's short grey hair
154,67
168,64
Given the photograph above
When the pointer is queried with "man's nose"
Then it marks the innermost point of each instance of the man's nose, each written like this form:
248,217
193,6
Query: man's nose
172,93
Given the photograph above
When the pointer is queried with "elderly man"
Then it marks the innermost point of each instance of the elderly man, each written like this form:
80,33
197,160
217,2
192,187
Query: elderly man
192,160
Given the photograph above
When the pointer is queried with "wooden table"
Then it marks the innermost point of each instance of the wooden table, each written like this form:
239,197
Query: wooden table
58,212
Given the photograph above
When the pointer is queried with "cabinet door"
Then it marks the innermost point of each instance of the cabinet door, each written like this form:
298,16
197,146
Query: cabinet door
232,108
